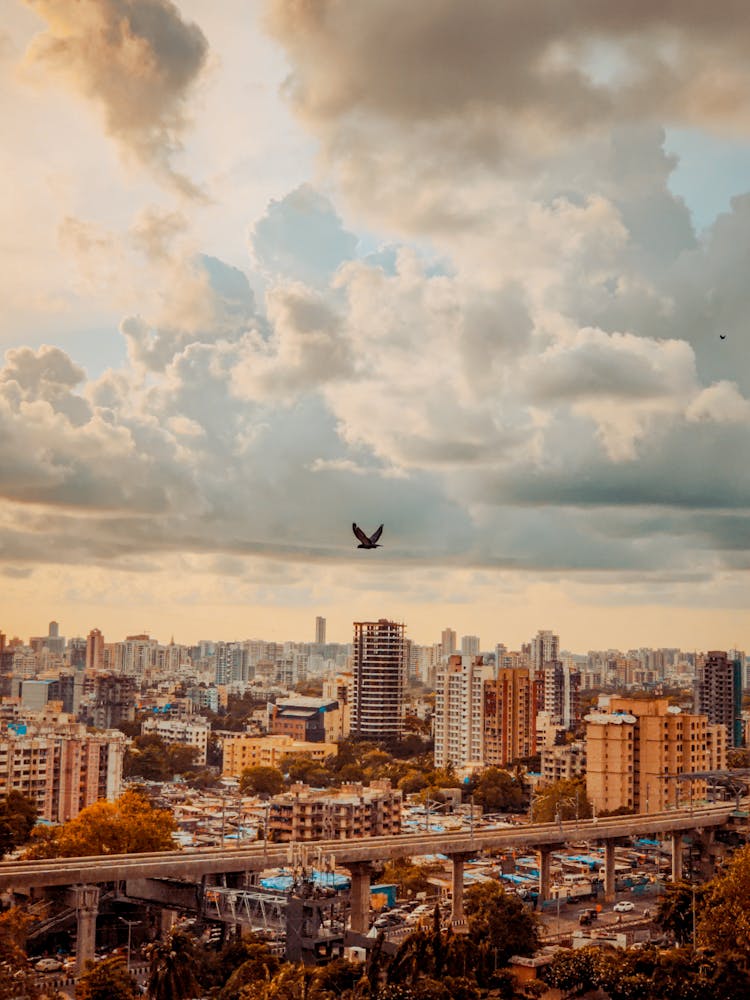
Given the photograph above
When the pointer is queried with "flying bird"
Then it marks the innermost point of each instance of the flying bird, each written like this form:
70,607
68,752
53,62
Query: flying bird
722,336
364,541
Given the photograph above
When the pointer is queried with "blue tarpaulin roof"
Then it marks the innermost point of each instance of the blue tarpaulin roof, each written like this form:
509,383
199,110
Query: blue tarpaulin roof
331,879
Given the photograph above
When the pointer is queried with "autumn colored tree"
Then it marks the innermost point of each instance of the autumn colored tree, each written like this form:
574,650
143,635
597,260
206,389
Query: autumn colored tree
410,878
131,825
261,780
723,924
572,972
674,912
107,980
16,975
259,964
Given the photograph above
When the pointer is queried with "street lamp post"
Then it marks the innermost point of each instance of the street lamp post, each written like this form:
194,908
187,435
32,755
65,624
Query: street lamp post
130,925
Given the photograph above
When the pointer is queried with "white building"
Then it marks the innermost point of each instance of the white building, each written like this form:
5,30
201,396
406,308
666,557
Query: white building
194,732
379,675
459,713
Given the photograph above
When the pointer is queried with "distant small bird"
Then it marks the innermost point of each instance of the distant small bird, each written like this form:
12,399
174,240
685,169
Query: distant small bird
364,541
722,336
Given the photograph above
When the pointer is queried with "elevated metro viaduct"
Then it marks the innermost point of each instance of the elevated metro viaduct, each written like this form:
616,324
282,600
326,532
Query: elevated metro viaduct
85,874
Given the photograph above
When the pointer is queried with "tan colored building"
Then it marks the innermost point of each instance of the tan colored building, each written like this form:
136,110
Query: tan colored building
563,763
636,748
353,811
509,717
240,750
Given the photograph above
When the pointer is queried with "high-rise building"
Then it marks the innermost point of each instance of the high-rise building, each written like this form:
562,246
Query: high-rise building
470,645
320,631
636,748
94,650
545,646
718,693
448,641
459,684
379,668
561,687
509,717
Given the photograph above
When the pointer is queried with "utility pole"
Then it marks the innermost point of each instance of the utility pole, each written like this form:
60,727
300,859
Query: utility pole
131,924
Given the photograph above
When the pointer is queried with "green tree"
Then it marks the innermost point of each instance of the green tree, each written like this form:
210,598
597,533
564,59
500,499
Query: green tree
107,980
564,799
171,976
131,825
410,878
17,818
501,922
674,912
300,767
497,790
258,964
572,972
261,781
181,758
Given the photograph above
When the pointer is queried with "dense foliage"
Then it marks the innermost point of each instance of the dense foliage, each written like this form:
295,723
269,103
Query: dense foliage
151,759
107,980
131,825
562,800
17,818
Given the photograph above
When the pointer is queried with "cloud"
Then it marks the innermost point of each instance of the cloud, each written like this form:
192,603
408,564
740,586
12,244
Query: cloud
138,60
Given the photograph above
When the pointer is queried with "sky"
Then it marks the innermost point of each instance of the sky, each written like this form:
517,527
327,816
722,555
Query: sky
269,267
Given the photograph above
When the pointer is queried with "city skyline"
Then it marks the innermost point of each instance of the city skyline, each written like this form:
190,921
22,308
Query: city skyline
273,268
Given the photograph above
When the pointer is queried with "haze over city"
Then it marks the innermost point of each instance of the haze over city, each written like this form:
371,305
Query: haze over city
272,267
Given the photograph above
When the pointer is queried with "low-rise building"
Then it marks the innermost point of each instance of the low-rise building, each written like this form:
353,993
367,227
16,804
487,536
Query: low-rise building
193,732
563,763
352,811
317,720
241,750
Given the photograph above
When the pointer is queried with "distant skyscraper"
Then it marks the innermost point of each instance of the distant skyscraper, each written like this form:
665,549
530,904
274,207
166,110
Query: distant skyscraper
470,645
718,694
545,646
54,630
94,650
448,641
458,710
379,668
320,631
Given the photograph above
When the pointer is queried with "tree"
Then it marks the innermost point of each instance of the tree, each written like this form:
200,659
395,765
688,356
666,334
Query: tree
16,975
409,878
301,767
723,924
261,781
501,922
171,976
131,825
572,972
181,758
108,980
498,791
17,818
562,800
257,964
674,912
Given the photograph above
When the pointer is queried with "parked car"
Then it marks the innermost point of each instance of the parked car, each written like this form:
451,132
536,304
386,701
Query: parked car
624,906
48,965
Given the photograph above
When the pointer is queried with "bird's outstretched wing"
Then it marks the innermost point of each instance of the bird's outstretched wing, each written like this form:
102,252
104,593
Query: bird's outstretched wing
376,535
360,534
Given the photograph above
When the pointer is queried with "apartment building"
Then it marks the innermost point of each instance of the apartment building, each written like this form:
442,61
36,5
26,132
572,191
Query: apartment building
379,668
60,766
316,720
459,710
193,731
563,763
637,747
352,811
241,750
509,715
718,693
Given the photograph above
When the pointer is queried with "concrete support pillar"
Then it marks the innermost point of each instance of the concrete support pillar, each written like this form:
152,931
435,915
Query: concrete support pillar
609,871
87,908
676,855
359,896
545,857
457,890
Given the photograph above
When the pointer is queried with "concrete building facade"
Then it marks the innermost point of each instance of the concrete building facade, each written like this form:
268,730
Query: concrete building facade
353,811
718,693
509,717
459,710
240,750
636,748
379,669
